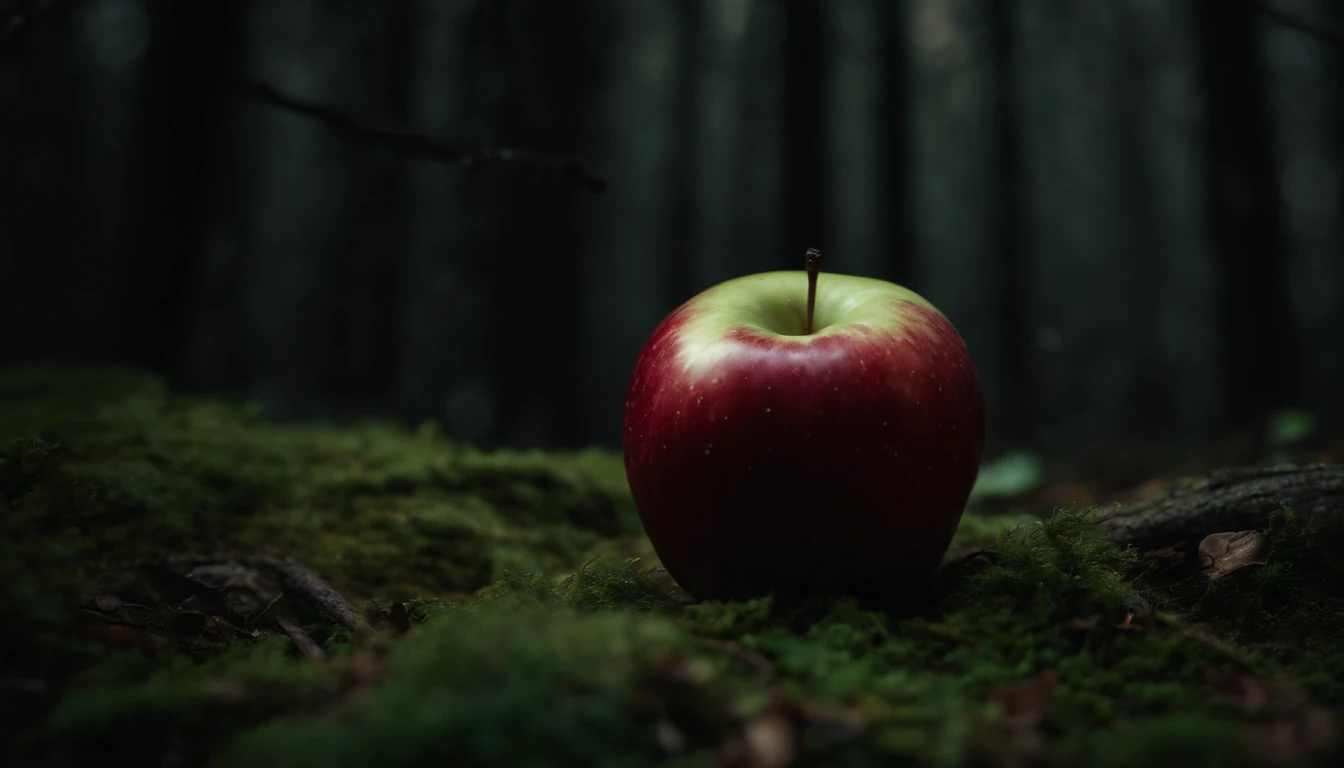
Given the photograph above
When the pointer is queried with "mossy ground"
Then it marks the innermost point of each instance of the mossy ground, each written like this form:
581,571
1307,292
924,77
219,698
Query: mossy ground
537,632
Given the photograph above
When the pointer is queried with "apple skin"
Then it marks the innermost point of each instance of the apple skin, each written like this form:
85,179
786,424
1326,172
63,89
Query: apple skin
763,460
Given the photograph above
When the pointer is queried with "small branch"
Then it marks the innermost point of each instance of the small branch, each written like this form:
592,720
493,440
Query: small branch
302,640
302,582
1332,37
561,168
1229,500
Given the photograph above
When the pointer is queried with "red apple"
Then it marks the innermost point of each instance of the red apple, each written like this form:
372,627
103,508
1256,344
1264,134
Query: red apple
764,458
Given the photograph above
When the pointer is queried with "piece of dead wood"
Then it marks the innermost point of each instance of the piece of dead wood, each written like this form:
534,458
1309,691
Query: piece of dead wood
302,640
1232,499
302,582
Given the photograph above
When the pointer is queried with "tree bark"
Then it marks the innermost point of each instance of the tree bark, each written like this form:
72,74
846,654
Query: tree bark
1232,499
1246,216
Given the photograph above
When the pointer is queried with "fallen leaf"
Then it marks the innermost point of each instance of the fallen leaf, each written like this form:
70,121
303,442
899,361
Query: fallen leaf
1223,553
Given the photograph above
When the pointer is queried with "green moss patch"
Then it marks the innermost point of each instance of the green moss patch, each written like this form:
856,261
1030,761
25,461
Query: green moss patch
520,618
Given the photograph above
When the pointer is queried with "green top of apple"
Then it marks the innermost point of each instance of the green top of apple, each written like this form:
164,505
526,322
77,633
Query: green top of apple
774,305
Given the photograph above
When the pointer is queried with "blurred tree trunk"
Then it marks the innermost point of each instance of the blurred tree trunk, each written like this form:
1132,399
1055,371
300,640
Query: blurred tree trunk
1307,123
1008,216
806,220
949,86
1246,215
368,272
678,272
893,125
554,58
189,68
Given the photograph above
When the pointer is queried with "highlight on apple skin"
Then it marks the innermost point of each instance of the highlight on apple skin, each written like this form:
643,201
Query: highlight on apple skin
764,458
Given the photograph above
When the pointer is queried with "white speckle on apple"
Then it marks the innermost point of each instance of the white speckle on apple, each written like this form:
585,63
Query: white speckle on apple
767,410
715,381
711,445
856,449
748,467
699,400
884,423
768,449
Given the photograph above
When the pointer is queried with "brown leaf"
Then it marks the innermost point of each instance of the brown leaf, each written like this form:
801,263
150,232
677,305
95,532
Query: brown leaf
301,639
1223,553
1029,703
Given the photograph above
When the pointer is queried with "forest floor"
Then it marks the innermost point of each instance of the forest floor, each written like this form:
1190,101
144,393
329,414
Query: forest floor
186,583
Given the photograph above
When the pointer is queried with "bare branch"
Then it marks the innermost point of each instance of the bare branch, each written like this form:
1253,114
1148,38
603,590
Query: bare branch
1332,37
561,168
564,169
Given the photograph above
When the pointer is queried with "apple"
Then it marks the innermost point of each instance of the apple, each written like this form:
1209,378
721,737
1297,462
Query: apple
767,455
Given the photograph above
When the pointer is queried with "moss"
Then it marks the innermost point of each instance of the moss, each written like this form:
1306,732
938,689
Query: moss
540,631
976,531
374,508
1289,613
1063,566
481,690
1191,742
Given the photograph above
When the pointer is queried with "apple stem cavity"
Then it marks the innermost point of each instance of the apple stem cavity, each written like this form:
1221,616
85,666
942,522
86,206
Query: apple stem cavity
812,262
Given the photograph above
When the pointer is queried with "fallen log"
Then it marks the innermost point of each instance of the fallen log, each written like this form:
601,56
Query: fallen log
1233,499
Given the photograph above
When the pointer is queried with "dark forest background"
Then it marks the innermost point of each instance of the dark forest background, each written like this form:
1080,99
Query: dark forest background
1132,209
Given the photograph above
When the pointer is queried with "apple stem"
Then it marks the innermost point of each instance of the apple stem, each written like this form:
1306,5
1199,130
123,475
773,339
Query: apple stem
812,262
